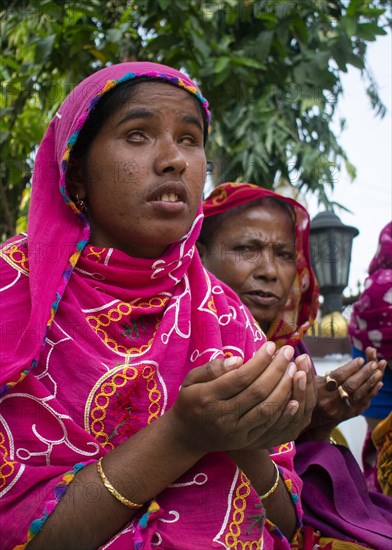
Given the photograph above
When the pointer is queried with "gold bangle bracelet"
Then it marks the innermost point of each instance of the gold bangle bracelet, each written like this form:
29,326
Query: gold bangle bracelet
114,491
274,486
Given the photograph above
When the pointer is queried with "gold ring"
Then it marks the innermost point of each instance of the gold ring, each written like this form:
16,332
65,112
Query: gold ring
343,394
330,383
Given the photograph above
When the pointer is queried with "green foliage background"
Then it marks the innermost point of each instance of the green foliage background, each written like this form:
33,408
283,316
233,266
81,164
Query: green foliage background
271,70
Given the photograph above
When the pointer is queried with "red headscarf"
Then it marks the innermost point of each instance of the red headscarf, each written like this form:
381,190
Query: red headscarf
301,307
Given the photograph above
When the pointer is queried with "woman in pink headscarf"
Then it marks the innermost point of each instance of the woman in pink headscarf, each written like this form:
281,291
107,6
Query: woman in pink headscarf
371,325
135,393
371,321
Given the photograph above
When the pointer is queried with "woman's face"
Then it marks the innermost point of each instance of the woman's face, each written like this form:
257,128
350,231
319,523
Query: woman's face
145,170
254,253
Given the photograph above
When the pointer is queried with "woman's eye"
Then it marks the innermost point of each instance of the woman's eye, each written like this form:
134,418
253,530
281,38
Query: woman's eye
187,140
244,248
287,255
136,135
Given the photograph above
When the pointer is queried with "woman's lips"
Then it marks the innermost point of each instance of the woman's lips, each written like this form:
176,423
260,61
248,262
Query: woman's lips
171,191
172,207
262,298
169,197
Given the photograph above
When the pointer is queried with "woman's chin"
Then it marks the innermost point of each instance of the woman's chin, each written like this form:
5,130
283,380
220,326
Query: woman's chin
263,315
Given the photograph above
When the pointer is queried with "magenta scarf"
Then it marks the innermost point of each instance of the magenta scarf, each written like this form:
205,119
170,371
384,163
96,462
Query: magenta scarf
370,323
55,237
96,345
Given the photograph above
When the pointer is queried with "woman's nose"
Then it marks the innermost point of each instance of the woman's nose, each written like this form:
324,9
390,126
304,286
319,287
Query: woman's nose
170,158
265,266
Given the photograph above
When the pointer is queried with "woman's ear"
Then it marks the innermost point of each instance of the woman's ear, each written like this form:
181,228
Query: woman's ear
202,251
75,179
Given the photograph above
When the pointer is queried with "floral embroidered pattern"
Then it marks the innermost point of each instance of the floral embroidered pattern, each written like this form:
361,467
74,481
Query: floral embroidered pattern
102,394
7,467
15,254
232,538
99,322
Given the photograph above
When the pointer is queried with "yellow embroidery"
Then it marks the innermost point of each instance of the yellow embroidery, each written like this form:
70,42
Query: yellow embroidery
211,305
115,314
154,394
239,505
284,447
7,468
15,256
108,389
95,254
220,195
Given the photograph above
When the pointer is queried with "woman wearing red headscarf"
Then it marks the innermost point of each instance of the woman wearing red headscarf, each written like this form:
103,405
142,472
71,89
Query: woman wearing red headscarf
257,243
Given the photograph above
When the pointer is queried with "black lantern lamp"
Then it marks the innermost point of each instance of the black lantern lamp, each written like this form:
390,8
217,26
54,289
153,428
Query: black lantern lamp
330,251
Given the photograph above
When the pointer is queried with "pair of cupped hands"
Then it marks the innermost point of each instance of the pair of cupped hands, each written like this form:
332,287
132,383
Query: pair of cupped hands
228,405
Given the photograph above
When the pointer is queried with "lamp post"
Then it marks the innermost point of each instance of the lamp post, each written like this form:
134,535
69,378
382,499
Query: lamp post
330,252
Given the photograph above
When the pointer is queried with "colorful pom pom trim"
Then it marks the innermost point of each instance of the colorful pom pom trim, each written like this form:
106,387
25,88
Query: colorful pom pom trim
59,491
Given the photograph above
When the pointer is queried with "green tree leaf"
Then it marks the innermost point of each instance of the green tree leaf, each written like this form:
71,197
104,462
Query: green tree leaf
44,48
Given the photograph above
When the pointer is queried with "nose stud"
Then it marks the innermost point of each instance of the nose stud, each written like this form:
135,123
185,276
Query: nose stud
187,164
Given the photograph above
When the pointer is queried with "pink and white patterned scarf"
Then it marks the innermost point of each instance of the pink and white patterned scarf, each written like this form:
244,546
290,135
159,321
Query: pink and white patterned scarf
371,317
95,346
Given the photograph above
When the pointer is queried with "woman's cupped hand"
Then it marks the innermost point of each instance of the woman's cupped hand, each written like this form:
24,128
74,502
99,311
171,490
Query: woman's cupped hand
360,381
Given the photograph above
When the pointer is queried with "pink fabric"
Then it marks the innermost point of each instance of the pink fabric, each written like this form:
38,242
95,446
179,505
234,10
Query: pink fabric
55,247
96,345
301,308
370,322
369,463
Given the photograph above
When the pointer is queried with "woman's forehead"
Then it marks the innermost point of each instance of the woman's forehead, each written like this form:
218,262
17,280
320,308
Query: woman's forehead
149,101
252,215
154,94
